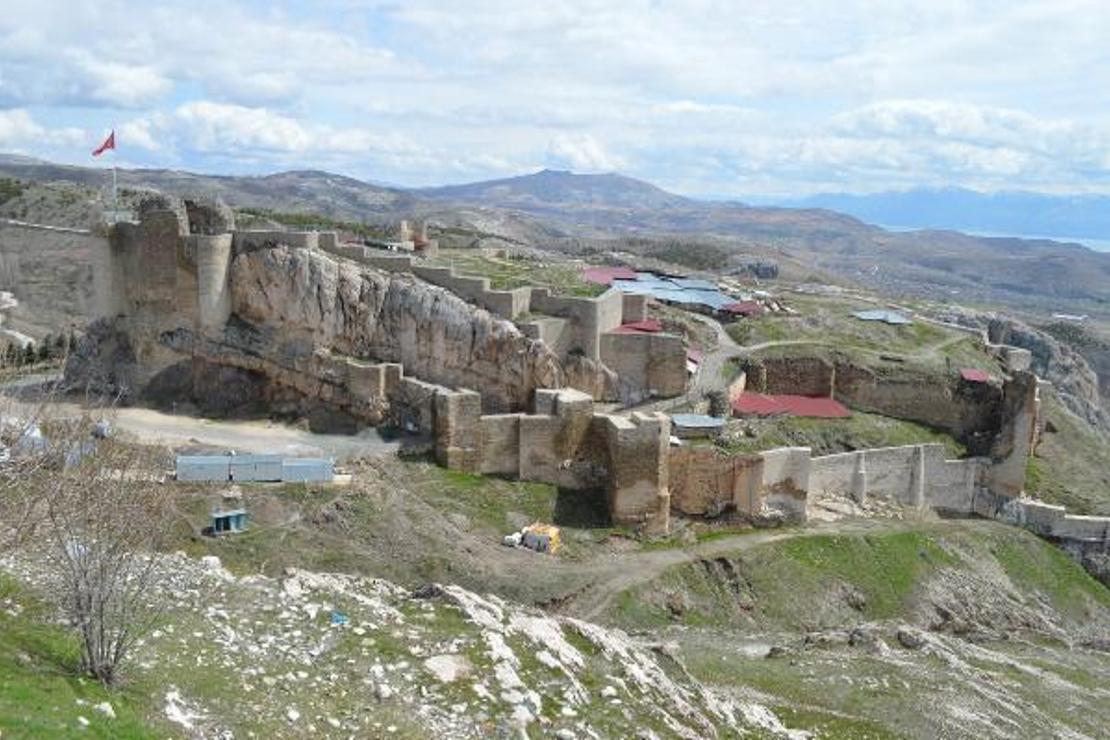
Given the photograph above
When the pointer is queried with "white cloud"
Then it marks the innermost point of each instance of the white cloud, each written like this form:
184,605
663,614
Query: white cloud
581,152
19,131
708,95
122,85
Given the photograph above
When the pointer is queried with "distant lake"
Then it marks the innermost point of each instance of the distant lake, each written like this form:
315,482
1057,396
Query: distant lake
1098,245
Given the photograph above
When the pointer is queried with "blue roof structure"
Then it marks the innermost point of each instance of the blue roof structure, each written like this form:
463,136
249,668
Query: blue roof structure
688,291
884,315
697,421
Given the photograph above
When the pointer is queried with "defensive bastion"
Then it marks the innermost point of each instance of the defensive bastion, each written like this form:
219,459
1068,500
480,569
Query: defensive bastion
195,307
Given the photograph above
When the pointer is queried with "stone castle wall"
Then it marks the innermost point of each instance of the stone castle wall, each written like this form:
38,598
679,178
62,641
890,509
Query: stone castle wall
645,365
566,444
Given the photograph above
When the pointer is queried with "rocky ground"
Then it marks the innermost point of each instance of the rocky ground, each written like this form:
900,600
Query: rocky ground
329,655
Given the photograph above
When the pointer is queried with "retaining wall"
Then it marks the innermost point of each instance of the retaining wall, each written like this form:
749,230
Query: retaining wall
704,480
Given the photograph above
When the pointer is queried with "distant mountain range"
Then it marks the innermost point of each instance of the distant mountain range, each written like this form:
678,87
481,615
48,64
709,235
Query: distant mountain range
553,188
1017,213
558,210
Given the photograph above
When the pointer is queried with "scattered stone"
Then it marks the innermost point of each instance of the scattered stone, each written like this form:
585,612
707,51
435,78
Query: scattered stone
106,709
448,668
292,714
676,603
910,638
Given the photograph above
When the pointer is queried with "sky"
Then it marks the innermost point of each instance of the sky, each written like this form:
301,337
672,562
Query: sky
753,99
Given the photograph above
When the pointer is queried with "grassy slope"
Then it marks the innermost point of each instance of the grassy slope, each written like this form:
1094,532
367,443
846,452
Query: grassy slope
780,585
505,273
827,436
776,591
39,691
829,322
1070,466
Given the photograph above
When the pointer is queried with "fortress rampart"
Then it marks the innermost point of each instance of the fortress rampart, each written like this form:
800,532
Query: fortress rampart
218,309
646,365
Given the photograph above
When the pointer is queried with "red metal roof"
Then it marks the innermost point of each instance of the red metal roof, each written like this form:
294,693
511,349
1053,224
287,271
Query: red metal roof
972,375
650,326
743,308
606,275
759,404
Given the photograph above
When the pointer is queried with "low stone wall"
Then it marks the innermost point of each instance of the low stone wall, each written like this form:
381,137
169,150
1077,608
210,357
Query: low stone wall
802,376
911,475
508,304
588,318
634,308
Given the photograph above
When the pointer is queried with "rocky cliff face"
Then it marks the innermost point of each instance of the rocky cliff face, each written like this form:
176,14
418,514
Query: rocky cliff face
304,300
1074,380
295,314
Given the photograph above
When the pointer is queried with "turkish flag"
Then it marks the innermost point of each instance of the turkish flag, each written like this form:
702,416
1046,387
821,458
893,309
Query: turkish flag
109,143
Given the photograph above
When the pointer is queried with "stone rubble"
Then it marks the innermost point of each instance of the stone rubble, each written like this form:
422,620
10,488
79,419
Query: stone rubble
443,661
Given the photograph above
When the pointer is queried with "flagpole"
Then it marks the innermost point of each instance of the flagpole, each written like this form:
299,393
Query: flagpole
115,204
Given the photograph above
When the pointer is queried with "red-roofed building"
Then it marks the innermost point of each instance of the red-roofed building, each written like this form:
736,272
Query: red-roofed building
971,375
606,275
743,308
649,326
814,407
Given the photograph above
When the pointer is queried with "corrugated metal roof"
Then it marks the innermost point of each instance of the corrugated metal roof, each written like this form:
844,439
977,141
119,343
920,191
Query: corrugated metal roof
882,314
697,421
759,404
606,275
744,308
972,375
650,326
257,468
688,291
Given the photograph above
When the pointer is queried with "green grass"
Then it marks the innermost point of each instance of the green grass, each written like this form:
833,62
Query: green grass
489,502
1037,566
508,273
1070,464
828,322
830,726
39,686
827,436
887,568
795,583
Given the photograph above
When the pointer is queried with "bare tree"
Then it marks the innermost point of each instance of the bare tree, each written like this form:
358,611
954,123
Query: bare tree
98,516
104,516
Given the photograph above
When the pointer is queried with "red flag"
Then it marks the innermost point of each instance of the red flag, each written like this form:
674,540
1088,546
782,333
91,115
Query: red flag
109,143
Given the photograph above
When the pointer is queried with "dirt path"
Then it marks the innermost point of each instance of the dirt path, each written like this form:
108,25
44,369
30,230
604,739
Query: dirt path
711,376
173,430
623,572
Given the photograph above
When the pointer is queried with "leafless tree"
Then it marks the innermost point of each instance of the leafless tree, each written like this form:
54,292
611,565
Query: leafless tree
104,518
92,510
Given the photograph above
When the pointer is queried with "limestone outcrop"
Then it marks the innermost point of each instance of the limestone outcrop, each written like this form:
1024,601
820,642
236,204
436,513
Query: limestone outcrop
257,321
302,300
